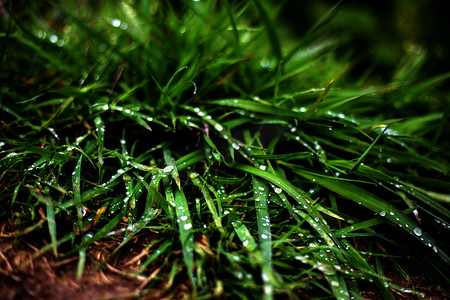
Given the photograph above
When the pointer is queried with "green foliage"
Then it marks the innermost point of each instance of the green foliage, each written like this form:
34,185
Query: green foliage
201,121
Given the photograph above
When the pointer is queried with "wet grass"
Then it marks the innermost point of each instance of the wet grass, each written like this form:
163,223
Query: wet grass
252,154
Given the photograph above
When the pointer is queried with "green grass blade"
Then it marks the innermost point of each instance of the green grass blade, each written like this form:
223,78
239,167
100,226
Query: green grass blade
261,194
52,226
172,167
76,185
316,220
376,204
209,201
364,155
81,263
256,107
100,128
313,108
243,233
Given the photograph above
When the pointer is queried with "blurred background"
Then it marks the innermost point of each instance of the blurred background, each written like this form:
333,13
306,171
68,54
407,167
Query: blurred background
381,33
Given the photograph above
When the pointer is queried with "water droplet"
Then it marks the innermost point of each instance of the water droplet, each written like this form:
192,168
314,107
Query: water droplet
218,127
187,226
53,38
334,283
235,146
417,231
262,167
183,218
116,23
264,236
245,243
382,213
168,169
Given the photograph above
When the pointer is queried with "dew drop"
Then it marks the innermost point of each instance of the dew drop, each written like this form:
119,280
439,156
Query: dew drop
382,213
53,38
168,169
116,23
334,283
417,231
187,226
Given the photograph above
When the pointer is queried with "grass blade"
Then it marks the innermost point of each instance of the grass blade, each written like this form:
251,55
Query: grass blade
76,185
313,108
209,201
315,220
374,203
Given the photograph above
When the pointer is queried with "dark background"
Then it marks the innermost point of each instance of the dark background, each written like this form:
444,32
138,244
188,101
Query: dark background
381,33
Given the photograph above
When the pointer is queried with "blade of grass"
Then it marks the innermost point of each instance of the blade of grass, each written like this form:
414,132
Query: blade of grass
313,108
261,194
52,226
376,204
76,185
100,128
209,201
363,156
316,220
81,263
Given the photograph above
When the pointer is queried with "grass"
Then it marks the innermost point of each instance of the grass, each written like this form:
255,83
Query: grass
255,154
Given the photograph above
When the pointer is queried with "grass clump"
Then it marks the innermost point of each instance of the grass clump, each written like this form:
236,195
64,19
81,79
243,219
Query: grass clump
263,168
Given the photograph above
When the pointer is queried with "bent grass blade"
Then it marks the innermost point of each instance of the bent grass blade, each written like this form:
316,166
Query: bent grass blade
376,204
209,201
316,220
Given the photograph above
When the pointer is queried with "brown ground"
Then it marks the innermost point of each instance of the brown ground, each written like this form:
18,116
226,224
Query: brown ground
25,274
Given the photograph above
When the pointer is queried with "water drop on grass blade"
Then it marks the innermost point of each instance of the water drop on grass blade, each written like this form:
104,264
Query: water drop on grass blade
417,231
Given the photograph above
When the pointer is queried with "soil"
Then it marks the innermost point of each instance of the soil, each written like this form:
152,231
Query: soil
25,273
